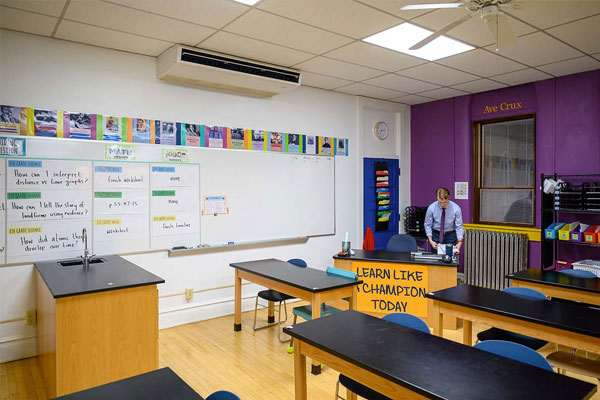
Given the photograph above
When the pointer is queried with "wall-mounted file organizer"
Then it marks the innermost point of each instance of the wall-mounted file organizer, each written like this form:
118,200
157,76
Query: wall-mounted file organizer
381,199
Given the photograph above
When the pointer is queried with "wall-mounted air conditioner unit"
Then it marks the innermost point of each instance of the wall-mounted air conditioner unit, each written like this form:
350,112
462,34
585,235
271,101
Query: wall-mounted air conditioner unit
200,67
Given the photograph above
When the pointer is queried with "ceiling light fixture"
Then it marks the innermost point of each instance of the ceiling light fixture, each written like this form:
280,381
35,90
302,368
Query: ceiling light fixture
402,37
247,2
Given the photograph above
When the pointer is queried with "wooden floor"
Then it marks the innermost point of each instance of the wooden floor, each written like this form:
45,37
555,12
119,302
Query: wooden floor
210,356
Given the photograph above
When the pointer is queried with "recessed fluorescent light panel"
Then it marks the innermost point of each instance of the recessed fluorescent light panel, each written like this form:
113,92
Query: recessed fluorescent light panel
402,37
248,2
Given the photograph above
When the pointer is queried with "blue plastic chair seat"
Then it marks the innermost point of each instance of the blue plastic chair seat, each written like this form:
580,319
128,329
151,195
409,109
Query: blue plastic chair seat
402,243
306,311
501,334
516,352
360,389
578,273
223,395
273,295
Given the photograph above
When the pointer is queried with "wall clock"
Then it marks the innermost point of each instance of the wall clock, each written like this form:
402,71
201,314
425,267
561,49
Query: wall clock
381,130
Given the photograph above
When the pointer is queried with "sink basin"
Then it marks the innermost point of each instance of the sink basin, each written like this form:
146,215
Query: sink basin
79,262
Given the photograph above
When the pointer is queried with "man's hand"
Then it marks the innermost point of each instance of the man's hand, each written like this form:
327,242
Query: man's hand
458,246
433,244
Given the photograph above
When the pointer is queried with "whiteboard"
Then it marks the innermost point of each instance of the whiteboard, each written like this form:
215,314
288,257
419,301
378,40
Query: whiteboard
152,201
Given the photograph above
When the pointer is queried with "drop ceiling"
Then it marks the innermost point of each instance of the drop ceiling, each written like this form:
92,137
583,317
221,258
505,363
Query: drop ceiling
322,38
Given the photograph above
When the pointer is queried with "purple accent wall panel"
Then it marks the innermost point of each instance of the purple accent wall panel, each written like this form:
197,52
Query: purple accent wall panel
567,135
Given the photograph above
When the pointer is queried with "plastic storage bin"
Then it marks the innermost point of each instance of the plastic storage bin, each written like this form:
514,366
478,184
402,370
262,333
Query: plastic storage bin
577,233
591,235
565,232
551,231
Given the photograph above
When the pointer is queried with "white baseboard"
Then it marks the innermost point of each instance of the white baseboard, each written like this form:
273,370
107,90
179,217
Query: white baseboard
17,348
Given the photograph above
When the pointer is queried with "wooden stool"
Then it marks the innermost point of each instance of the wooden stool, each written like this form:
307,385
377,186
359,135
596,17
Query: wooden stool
577,364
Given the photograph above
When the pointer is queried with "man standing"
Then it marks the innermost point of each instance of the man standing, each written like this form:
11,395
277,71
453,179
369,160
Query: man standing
443,221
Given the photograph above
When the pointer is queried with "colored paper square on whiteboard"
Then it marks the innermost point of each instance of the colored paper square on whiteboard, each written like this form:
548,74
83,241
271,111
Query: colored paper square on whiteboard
214,205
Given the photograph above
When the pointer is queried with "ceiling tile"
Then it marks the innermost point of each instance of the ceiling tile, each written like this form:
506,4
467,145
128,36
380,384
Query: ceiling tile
481,62
76,32
24,21
474,31
538,49
400,83
546,13
213,13
339,69
523,76
597,55
345,17
573,66
582,34
438,74
413,99
47,7
480,85
241,46
394,6
360,89
374,56
322,81
443,93
126,19
273,29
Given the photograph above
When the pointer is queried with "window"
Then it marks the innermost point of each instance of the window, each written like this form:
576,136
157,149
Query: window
505,172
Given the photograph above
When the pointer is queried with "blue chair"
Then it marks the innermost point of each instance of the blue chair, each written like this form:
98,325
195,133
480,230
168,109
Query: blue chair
223,395
408,320
402,243
515,351
501,334
578,273
273,296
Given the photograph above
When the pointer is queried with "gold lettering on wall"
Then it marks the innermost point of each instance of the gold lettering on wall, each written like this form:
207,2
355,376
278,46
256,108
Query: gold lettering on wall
504,106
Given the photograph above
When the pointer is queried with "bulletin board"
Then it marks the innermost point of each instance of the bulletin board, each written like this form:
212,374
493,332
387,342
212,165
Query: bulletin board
139,197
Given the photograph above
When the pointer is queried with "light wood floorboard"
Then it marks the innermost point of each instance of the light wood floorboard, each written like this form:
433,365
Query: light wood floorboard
210,356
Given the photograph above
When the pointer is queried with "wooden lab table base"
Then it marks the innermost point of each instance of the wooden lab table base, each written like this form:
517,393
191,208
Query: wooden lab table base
315,299
539,331
561,292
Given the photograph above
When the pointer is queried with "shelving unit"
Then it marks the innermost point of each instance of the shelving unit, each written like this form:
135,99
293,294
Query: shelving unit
583,205
380,194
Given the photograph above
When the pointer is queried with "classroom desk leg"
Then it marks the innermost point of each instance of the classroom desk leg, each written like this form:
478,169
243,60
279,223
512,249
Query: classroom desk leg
237,321
300,372
438,320
467,332
271,317
353,298
316,313
350,395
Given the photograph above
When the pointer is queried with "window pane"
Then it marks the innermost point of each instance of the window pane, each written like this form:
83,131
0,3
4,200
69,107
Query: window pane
501,205
508,151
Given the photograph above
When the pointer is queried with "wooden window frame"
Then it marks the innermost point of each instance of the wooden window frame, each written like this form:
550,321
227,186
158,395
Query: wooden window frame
478,166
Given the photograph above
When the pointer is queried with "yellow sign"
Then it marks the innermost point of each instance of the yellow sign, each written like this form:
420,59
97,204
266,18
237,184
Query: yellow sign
389,288
28,229
107,222
164,218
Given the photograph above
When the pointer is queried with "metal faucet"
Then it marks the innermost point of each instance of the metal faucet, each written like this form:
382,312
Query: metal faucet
86,254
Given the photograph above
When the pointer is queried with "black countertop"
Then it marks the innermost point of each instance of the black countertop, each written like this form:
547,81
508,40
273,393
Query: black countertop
309,279
554,278
432,366
155,385
115,273
557,314
391,256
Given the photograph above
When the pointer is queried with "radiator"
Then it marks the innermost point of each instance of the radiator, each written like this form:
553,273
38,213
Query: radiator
490,256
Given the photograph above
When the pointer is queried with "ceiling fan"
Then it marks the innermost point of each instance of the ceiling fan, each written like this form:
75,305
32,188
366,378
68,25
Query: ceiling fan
489,10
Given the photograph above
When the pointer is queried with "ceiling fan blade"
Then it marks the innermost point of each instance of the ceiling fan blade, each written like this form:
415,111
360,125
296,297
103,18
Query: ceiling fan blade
439,33
501,30
430,6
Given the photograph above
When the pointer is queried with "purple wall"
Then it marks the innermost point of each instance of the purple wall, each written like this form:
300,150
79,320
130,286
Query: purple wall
567,136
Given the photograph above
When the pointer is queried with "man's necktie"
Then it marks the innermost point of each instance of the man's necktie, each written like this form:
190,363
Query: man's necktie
442,223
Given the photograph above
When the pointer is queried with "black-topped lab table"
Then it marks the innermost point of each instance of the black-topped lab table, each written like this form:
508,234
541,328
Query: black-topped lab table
404,363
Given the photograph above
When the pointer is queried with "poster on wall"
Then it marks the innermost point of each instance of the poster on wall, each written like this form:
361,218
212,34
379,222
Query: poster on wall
111,129
166,132
141,130
461,190
340,147
237,139
217,137
193,135
325,145
275,141
10,123
79,125
258,140
45,123
311,147
292,143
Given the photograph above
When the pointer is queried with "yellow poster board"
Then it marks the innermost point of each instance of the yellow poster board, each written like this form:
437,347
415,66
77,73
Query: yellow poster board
392,287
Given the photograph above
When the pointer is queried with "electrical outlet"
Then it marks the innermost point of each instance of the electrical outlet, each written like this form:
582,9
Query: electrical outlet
189,293
31,317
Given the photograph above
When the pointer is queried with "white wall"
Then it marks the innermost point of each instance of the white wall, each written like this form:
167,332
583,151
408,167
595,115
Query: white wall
47,73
